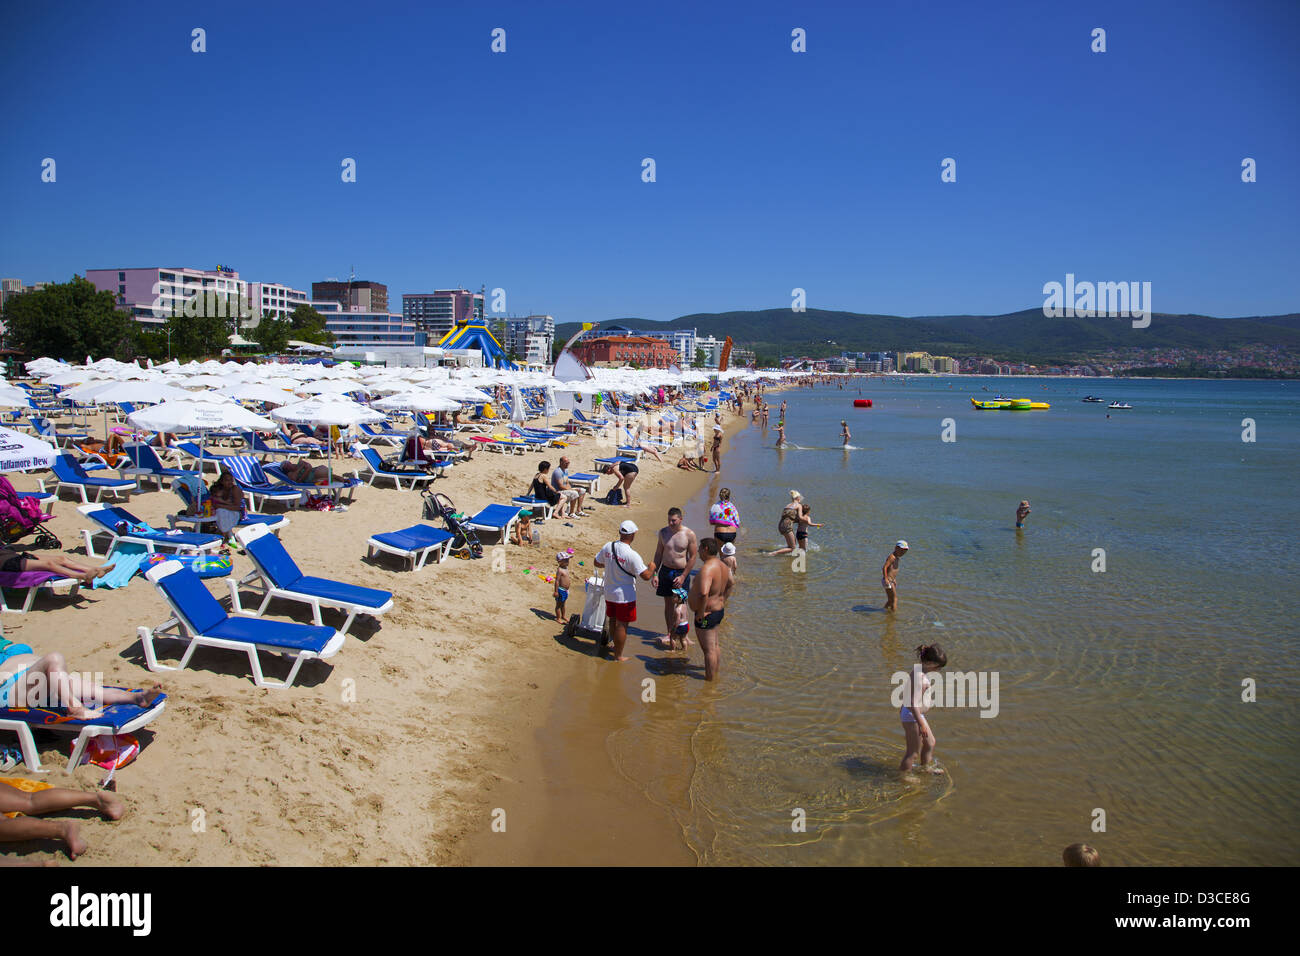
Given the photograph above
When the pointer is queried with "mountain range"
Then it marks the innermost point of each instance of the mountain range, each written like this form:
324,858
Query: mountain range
1026,336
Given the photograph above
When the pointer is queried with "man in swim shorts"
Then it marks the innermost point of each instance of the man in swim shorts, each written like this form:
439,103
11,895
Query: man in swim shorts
622,567
708,599
889,576
675,556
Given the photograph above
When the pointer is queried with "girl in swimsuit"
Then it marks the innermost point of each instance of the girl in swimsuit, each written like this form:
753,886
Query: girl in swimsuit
920,739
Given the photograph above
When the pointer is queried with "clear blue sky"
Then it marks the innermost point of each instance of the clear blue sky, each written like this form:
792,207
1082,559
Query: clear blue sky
774,169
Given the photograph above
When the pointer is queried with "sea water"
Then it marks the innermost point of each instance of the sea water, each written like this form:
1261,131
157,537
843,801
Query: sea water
1149,598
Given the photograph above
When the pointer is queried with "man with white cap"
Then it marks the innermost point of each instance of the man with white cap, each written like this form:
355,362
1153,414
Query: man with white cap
889,575
622,567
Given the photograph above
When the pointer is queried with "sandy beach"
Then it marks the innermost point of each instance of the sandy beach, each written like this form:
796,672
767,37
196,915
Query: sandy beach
398,749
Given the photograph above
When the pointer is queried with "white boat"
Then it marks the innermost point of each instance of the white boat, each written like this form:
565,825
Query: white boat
1092,398
1119,405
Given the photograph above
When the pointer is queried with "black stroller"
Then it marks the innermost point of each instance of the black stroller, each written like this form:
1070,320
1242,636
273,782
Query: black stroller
438,505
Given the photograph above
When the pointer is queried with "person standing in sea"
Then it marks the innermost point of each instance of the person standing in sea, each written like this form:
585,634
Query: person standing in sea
724,517
790,515
622,567
675,556
889,575
845,435
708,599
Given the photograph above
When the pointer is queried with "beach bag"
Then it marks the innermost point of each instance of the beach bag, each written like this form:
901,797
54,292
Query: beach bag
615,496
111,751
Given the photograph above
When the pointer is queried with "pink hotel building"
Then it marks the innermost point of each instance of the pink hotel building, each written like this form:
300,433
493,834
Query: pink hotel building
141,291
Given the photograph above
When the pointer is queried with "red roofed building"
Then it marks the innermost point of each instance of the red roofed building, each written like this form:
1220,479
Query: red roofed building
616,350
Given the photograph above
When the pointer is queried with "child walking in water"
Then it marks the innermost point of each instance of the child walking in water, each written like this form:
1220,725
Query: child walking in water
920,739
561,591
889,575
844,432
1022,513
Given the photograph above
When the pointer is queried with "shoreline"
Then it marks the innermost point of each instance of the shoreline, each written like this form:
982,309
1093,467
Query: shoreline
562,776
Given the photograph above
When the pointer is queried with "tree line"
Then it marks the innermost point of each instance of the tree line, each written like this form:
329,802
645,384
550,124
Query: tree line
70,320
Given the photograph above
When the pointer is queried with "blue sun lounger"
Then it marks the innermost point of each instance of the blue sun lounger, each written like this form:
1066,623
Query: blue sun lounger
375,469
200,621
68,473
147,466
252,480
498,518
192,451
276,575
115,719
122,527
415,543
275,472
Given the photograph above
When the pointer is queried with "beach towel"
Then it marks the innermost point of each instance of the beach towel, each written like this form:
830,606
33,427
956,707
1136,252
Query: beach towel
193,483
27,786
24,579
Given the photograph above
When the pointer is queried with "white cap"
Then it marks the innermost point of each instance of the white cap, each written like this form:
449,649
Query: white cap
562,556
627,527
717,428
728,549
901,544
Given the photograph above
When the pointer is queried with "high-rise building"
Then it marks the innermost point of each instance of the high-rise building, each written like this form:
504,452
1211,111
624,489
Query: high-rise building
279,300
531,338
438,312
152,294
356,294
357,328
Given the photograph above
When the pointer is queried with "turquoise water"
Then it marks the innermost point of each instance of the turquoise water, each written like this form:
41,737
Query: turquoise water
1119,691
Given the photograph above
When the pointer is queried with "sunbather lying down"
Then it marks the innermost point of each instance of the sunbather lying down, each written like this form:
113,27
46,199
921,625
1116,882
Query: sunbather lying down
29,680
16,562
13,800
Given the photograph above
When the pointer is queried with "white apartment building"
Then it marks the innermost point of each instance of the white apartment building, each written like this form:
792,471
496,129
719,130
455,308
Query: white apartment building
531,338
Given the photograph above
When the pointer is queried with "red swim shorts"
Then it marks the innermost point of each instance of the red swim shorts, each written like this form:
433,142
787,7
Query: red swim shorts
621,612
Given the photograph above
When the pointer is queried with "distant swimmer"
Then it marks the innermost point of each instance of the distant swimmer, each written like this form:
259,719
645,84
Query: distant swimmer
889,576
1022,513
920,738
845,434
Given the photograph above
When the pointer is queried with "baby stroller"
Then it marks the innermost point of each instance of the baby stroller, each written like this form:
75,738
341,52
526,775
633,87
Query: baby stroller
20,517
438,505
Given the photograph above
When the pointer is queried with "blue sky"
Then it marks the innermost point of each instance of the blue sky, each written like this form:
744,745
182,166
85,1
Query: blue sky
774,169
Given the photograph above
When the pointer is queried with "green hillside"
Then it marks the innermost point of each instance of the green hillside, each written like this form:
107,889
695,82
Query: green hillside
1023,336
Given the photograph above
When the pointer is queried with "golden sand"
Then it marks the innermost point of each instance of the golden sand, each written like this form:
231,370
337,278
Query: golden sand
396,750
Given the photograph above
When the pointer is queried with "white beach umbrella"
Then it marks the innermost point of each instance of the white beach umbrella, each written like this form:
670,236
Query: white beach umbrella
417,401
200,416
327,410
185,416
21,452
256,392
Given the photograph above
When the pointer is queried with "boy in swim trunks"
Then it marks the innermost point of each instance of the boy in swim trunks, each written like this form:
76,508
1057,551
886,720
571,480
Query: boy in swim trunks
1022,513
561,584
889,576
